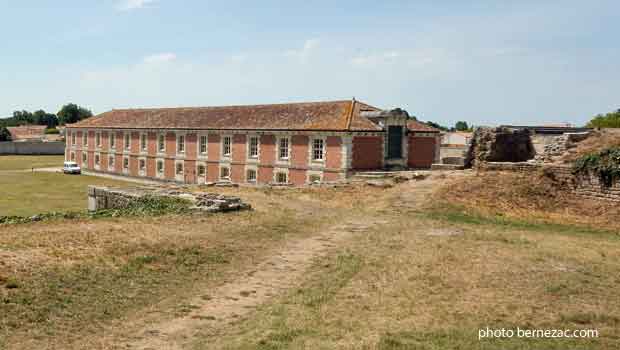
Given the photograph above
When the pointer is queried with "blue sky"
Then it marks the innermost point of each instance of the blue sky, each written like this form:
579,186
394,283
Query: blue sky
487,62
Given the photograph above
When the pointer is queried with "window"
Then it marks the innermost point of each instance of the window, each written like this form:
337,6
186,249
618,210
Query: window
98,139
142,164
181,144
73,156
73,138
202,171
85,138
97,159
112,140
225,173
318,149
127,141
179,169
283,152
226,146
281,178
161,143
314,178
251,175
126,163
203,145
84,159
253,148
111,162
160,167
143,142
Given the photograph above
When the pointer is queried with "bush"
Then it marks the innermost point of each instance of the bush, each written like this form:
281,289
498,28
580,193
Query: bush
52,131
604,164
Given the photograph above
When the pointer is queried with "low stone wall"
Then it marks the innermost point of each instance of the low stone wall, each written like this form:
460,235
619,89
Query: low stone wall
587,187
100,198
32,148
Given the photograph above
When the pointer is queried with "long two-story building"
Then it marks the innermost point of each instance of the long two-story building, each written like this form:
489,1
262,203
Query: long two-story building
293,143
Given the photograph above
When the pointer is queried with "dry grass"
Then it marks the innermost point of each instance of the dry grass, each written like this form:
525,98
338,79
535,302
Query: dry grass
29,162
598,141
527,196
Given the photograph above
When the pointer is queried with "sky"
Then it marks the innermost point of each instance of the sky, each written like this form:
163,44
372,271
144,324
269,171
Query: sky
486,62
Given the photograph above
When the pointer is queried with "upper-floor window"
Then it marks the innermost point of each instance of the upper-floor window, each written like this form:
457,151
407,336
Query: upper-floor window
112,140
181,144
226,146
253,148
283,148
85,138
98,139
318,149
127,141
143,142
73,137
161,143
202,144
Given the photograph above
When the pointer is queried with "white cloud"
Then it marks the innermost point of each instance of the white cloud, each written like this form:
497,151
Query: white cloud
372,60
304,53
128,5
160,58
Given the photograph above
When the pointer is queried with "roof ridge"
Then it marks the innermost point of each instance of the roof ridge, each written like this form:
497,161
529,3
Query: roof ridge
228,106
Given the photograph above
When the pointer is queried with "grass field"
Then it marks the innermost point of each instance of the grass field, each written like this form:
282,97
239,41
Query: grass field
402,276
29,162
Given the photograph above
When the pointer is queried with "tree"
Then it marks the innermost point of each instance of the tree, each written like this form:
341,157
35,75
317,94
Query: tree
5,135
461,126
436,126
72,113
41,117
609,120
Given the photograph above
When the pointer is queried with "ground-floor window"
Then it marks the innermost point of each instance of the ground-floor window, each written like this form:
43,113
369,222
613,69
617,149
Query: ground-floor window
125,163
251,175
281,177
73,156
179,169
160,167
111,162
225,173
202,171
97,159
84,160
142,165
314,178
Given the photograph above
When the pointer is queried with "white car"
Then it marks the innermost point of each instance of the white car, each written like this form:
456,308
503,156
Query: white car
71,168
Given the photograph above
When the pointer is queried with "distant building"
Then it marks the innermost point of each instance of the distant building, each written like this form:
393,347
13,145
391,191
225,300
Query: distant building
293,143
27,133
456,138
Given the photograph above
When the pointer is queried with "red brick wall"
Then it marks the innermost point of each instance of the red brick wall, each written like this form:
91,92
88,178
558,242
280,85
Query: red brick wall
237,173
169,168
91,159
133,165
299,152
334,152
190,146
103,161
135,142
331,176
171,145
213,170
189,169
91,140
213,149
118,163
421,151
120,140
297,177
367,152
239,148
151,144
151,167
267,150
105,145
78,157
265,174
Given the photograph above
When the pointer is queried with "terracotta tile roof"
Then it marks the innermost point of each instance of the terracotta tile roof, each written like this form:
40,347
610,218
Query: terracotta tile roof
415,125
328,116
27,132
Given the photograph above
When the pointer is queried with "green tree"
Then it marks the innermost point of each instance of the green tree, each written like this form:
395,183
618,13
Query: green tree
5,135
41,117
72,113
461,126
437,126
609,120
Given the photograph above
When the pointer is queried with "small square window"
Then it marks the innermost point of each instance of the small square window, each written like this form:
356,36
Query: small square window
179,169
202,171
251,175
225,173
203,145
282,178
314,178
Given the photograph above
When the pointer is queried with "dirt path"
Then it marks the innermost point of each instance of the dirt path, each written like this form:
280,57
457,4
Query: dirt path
225,304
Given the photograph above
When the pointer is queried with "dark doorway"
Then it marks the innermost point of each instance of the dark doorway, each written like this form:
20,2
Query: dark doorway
395,142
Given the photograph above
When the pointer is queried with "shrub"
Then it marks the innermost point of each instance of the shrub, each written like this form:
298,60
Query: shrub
605,165
52,131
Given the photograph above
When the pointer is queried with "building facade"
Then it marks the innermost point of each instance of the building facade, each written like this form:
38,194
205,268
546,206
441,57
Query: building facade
297,143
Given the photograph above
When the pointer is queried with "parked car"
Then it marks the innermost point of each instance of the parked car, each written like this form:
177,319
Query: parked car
71,168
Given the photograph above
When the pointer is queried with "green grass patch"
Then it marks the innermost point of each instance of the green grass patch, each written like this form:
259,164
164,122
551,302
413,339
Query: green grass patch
29,162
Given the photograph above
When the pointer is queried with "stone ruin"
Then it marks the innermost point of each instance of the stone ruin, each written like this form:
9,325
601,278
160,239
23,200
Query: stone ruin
559,146
100,198
500,145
